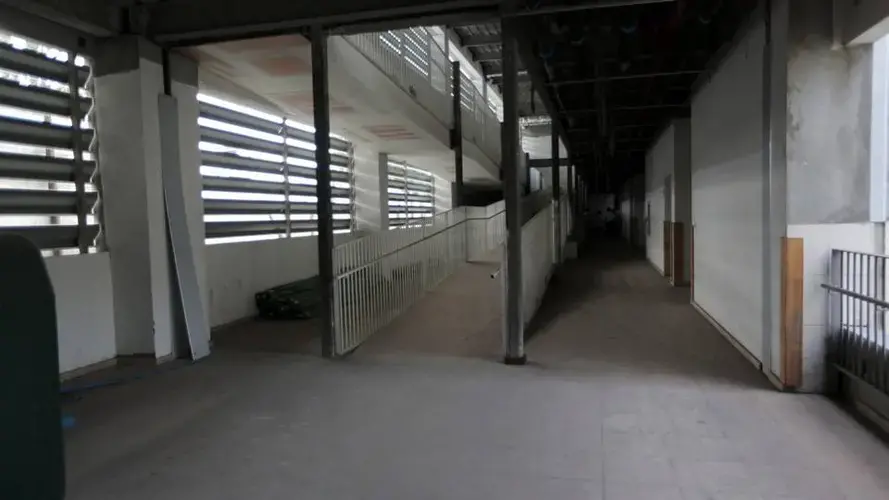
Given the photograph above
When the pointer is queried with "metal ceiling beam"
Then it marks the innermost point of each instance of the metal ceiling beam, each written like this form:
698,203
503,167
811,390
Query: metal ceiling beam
196,21
539,78
489,56
481,40
627,108
96,17
601,4
627,77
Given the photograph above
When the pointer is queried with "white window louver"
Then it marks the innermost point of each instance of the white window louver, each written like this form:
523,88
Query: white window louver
47,147
258,173
411,195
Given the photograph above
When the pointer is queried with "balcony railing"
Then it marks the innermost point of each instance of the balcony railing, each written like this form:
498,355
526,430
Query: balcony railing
419,66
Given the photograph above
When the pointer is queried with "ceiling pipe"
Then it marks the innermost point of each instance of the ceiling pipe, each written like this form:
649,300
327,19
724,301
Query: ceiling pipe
603,4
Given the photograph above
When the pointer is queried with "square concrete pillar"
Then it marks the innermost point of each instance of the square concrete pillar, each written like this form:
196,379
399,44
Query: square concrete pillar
129,79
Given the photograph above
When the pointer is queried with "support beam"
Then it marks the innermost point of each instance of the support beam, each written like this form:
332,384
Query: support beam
541,163
638,76
629,108
601,4
325,210
538,75
493,56
457,133
514,318
557,195
96,17
481,40
199,21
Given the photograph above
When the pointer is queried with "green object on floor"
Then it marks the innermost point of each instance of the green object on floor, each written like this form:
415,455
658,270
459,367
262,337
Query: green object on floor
297,300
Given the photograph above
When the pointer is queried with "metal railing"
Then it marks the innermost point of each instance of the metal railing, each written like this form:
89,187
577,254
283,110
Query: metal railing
857,316
415,62
381,275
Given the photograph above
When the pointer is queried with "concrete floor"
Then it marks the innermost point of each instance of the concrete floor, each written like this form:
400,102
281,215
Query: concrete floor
630,396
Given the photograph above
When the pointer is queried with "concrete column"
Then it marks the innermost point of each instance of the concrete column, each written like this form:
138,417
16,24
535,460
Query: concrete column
512,193
818,176
129,79
371,208
557,194
383,169
325,209
457,133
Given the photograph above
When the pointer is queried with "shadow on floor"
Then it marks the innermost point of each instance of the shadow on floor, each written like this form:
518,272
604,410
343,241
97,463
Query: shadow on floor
611,307
270,336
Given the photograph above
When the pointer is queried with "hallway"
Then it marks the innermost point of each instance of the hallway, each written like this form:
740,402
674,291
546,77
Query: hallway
629,395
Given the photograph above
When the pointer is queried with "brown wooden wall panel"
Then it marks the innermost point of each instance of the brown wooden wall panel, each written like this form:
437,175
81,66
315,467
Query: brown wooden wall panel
668,249
792,268
678,254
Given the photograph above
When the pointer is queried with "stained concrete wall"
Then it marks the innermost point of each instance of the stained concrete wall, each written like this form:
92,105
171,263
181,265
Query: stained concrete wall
727,192
828,131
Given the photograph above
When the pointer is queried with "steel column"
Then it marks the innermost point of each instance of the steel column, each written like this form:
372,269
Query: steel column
457,133
325,210
514,322
572,195
557,194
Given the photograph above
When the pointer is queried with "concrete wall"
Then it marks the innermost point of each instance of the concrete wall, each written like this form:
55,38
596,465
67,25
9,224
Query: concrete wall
84,309
727,193
658,169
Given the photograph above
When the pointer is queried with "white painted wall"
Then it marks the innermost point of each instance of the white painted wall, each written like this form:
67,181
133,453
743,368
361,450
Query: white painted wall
726,129
658,166
84,309
236,271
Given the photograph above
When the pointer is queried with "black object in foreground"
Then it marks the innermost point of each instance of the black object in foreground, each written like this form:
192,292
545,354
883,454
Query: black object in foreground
32,463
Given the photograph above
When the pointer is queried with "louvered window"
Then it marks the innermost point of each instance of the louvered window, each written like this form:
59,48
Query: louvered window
47,147
258,175
411,195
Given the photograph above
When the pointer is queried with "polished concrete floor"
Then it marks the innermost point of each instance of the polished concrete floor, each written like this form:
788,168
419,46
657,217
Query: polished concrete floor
630,395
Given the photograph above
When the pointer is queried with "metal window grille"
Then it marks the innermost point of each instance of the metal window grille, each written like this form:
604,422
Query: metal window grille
411,195
49,189
259,175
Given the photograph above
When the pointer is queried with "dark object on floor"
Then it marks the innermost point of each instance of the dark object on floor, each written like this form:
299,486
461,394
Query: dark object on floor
32,463
297,300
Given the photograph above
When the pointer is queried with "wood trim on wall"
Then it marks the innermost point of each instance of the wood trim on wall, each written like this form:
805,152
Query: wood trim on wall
668,249
678,253
792,286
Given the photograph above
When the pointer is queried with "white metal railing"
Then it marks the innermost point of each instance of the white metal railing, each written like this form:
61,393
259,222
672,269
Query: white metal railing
381,275
420,67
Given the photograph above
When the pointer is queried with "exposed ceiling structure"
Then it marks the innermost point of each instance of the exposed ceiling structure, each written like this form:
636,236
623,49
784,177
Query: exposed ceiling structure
611,72
615,76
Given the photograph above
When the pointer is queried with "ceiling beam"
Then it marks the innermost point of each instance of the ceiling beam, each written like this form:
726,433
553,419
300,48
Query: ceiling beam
627,77
198,21
539,78
628,108
600,4
96,17
481,40
493,56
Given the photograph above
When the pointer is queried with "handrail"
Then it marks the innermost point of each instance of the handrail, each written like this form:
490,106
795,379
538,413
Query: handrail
855,295
399,249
